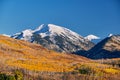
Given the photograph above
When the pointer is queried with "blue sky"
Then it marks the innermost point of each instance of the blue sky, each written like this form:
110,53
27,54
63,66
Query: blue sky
99,17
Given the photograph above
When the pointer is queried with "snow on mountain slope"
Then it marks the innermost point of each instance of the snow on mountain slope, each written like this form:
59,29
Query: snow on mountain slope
53,30
27,35
91,37
56,38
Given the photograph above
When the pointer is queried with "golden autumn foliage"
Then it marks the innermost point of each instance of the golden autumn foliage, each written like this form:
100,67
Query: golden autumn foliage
112,71
30,56
33,57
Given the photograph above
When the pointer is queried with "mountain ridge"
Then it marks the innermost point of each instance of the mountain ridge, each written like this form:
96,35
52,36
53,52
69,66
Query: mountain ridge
107,48
55,38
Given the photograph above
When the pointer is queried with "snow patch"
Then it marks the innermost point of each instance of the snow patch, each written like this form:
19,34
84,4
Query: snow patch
43,35
110,35
39,28
27,34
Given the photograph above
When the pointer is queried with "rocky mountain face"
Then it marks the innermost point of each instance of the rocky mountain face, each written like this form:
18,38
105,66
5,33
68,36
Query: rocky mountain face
55,38
107,48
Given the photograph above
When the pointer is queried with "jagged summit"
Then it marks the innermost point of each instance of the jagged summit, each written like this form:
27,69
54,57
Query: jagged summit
56,38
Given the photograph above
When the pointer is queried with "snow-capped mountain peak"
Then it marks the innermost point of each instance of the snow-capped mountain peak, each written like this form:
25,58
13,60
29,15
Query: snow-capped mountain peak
54,29
56,38
51,29
91,37
57,29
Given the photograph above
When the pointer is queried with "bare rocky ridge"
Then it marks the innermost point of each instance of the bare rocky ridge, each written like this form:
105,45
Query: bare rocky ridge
107,48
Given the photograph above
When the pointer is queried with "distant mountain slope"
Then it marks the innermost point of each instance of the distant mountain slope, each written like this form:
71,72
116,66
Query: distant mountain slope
55,38
107,48
21,54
